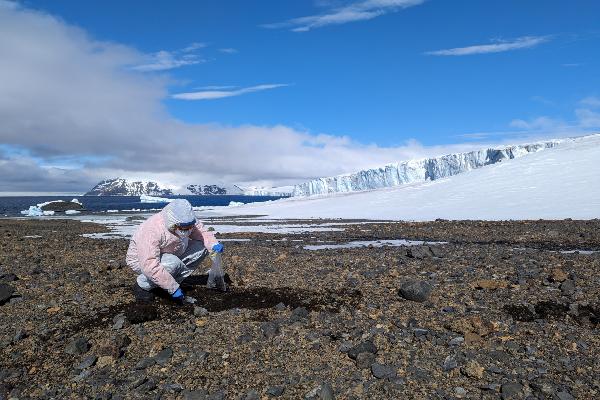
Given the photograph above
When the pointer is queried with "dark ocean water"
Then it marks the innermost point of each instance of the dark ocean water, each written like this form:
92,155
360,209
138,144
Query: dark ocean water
12,206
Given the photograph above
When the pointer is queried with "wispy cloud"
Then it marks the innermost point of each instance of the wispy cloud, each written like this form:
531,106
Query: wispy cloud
228,50
499,46
220,94
165,59
356,11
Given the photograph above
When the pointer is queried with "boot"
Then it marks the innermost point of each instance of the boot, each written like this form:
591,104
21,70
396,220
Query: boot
141,295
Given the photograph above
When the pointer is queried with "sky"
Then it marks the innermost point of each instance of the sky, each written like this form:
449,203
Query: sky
279,92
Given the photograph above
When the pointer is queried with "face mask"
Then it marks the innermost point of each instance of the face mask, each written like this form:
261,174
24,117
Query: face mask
183,234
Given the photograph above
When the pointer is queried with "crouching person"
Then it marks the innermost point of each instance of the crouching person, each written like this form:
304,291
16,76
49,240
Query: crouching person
167,248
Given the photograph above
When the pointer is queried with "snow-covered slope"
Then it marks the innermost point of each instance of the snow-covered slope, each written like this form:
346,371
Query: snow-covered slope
417,170
557,183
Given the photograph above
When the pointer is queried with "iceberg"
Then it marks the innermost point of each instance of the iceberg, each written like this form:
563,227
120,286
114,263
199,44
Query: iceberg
36,211
144,198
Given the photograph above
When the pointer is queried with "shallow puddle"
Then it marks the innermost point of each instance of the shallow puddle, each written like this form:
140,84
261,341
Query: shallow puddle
366,243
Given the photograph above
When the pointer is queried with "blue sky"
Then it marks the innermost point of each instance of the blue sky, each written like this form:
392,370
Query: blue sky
379,77
368,79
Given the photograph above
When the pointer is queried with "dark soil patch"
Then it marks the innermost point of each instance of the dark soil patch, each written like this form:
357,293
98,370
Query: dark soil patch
519,312
551,309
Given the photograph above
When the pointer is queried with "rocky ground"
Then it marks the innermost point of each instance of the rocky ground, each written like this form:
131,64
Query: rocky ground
497,312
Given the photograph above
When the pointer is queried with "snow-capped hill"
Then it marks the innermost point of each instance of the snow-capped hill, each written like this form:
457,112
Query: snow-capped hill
213,189
417,170
124,187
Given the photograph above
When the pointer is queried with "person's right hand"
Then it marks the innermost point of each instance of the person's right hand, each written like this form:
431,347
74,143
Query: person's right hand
177,295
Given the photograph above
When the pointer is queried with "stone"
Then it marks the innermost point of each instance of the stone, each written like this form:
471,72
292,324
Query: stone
275,391
269,329
145,363
163,356
381,371
87,362
280,307
199,394
104,361
472,370
558,275
20,334
121,341
147,386
365,360
6,292
299,314
120,321
364,347
457,341
8,277
326,392
418,291
251,395
200,311
77,346
220,395
564,396
460,392
567,287
450,363
511,391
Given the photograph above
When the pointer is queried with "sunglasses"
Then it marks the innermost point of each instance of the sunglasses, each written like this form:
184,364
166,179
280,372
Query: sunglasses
184,227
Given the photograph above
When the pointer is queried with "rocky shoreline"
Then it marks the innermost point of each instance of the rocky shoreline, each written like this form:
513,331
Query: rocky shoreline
500,311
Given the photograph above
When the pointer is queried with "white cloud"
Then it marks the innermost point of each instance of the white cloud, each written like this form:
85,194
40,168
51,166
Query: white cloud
590,101
537,123
356,11
193,47
501,46
228,50
165,60
212,93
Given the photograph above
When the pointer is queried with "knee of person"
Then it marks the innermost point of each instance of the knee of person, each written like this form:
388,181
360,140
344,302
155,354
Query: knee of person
170,261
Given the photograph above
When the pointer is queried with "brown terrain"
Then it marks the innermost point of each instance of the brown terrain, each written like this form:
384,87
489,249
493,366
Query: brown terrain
496,312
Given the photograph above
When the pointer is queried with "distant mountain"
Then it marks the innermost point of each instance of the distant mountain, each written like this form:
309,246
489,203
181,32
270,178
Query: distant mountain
419,170
125,187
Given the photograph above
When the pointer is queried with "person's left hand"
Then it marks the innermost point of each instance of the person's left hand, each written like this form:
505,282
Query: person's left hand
217,248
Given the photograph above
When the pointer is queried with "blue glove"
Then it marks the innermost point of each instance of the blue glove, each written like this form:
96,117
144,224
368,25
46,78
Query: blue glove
217,248
178,295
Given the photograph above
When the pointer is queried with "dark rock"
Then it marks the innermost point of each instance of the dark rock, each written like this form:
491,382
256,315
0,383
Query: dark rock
244,339
450,363
326,392
121,341
8,278
220,395
147,386
62,206
364,347
365,360
564,396
511,391
199,394
280,307
299,314
6,291
20,334
120,321
418,291
251,395
381,371
77,346
145,363
567,287
163,356
269,329
457,341
87,362
200,311
419,252
275,391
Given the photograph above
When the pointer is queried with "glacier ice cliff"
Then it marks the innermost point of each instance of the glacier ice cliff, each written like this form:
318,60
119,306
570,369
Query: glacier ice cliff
418,170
